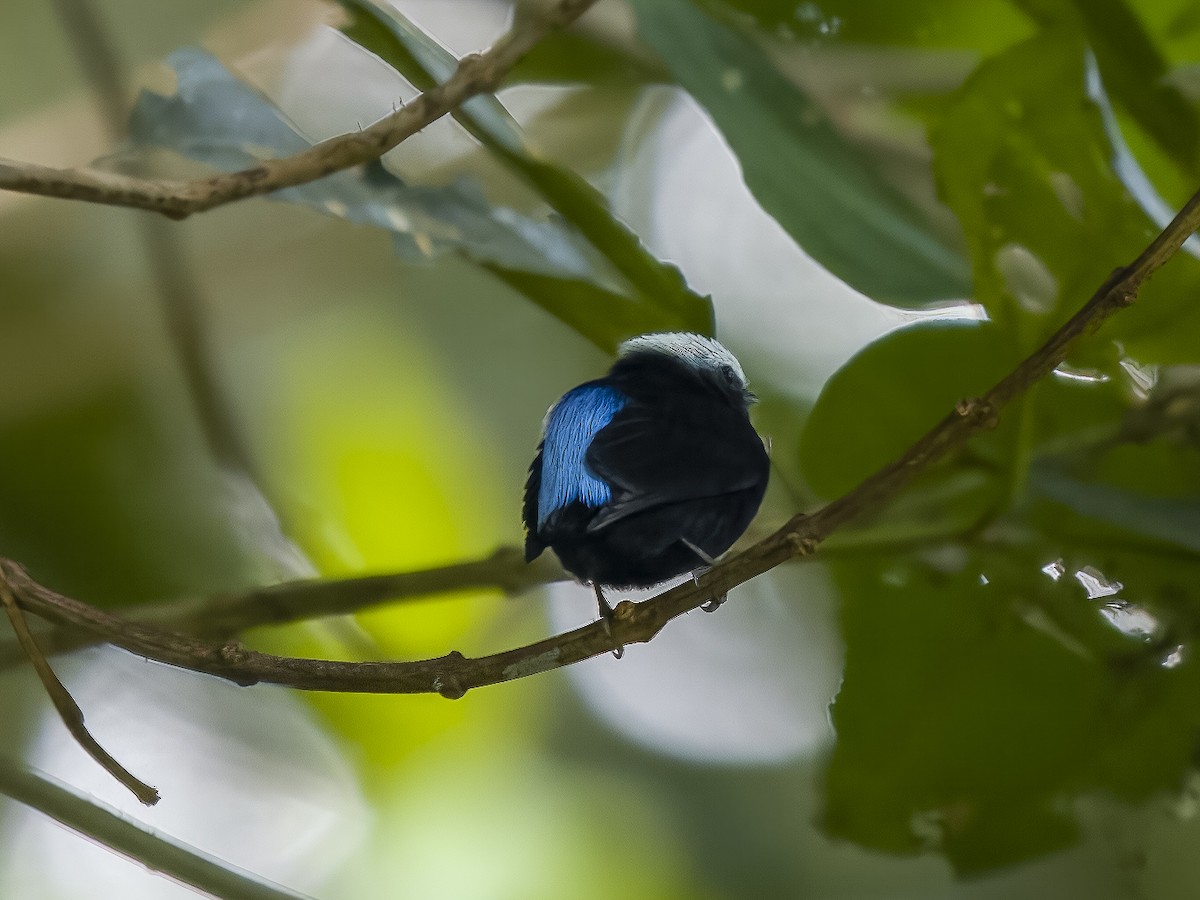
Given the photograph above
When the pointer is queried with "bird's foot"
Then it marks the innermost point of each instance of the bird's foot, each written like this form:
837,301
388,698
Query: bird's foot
608,616
715,603
699,551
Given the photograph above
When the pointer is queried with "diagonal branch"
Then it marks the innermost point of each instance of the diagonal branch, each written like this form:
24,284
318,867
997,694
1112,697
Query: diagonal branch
68,709
453,675
150,848
477,73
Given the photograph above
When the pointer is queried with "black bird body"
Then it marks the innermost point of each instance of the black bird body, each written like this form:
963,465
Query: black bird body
651,471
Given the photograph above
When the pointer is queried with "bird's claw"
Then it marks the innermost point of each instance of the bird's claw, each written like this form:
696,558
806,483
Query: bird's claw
608,616
713,603
618,649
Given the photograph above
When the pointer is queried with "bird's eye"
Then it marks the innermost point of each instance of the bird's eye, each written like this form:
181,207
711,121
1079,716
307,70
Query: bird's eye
729,376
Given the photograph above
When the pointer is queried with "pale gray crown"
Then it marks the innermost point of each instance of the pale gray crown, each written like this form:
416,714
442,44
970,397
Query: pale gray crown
694,349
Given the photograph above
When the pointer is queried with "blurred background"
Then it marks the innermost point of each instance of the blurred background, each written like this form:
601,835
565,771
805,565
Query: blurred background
939,184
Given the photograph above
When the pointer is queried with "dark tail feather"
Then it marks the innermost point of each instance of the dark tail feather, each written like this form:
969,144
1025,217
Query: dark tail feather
529,510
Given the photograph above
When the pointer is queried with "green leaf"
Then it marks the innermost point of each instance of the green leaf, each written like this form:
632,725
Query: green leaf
561,56
1022,157
218,120
817,185
980,698
576,303
891,392
939,729
419,58
1133,69
983,25
1130,491
575,56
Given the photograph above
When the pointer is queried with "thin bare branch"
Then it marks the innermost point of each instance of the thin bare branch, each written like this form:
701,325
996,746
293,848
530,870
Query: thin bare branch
476,73
224,616
68,709
453,675
154,850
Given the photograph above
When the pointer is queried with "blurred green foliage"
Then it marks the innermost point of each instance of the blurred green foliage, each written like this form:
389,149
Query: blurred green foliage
813,182
1019,629
841,446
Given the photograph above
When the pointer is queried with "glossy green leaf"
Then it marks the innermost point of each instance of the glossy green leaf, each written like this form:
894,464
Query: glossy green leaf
891,392
983,25
1132,67
561,56
1173,520
576,56
1022,157
977,702
218,120
1136,491
384,31
817,185
577,302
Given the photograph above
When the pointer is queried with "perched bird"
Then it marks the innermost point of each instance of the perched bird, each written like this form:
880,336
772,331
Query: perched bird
650,471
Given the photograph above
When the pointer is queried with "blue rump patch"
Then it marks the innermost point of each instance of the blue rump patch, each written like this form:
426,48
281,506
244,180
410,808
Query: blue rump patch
570,426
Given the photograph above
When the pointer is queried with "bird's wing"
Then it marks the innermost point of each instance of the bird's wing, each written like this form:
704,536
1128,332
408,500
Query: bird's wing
560,473
652,459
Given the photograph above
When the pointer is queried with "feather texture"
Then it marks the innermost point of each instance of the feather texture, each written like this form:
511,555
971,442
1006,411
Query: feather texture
650,471
571,425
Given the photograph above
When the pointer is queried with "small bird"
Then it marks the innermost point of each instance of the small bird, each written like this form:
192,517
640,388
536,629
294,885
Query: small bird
649,472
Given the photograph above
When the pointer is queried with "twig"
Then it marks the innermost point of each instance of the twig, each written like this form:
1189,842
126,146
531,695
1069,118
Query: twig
153,850
68,709
476,73
453,675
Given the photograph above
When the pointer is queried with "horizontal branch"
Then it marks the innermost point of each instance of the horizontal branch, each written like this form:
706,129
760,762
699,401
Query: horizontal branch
477,73
225,615
453,675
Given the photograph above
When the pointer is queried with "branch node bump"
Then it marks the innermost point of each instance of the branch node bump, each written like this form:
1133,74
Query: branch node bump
232,652
625,611
234,655
979,413
449,687
447,684
801,544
